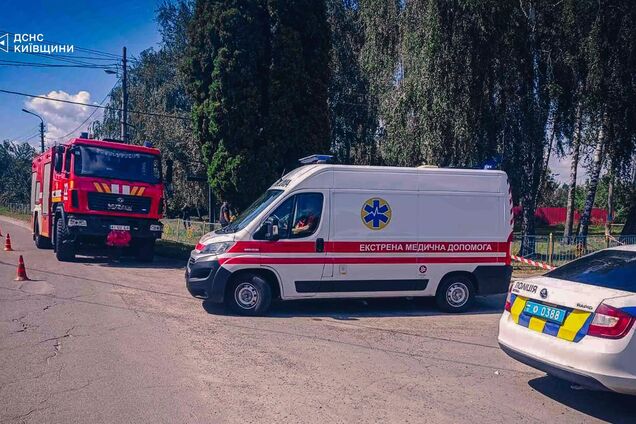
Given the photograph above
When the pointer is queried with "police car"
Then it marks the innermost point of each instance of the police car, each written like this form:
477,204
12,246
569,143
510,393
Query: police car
577,321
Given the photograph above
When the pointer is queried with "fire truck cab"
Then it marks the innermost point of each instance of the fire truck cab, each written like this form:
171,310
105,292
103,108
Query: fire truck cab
97,192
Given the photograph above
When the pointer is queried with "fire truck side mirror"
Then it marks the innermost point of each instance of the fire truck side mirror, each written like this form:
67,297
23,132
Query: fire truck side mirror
58,158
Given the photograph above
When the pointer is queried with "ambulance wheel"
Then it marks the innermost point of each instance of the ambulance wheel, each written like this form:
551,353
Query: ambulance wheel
41,242
64,246
249,294
456,293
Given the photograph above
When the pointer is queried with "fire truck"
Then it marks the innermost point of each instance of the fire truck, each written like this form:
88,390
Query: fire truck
98,192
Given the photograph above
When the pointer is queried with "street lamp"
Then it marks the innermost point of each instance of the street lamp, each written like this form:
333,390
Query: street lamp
41,127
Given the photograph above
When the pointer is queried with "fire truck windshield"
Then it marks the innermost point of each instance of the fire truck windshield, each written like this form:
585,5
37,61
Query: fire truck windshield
117,164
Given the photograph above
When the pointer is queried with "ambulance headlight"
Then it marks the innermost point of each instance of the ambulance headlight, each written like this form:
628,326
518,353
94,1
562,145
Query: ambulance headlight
216,248
74,222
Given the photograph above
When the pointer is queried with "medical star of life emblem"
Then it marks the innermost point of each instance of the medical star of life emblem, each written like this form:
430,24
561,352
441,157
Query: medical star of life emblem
376,213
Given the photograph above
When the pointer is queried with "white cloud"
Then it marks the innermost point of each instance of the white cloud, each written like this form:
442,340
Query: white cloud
62,118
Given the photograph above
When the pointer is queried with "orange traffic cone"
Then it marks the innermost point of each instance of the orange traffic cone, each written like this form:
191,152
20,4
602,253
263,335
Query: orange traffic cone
7,244
21,275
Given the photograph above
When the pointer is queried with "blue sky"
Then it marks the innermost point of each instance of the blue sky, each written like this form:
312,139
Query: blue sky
93,24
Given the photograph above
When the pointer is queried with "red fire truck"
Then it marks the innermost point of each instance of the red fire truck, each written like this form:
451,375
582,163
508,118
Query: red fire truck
97,192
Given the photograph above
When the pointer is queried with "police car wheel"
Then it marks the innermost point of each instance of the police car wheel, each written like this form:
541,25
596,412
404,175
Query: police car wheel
249,295
455,294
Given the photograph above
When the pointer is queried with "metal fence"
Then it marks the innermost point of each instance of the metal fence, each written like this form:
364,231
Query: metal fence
184,231
17,208
557,250
552,249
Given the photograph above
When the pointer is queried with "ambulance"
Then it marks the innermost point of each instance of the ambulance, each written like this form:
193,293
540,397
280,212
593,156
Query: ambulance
340,231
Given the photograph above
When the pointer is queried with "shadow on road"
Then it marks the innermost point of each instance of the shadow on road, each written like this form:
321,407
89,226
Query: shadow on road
352,309
123,261
604,406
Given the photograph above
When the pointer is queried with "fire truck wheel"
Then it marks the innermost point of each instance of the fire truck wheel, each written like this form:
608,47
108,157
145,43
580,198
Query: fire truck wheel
249,294
41,242
455,293
64,252
145,250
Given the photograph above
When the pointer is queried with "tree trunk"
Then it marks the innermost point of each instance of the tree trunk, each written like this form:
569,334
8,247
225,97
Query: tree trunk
576,147
630,223
610,204
597,164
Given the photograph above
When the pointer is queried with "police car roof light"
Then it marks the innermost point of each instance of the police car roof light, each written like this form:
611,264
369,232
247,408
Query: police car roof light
315,159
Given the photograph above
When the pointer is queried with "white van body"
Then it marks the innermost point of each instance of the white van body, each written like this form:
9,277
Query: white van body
381,232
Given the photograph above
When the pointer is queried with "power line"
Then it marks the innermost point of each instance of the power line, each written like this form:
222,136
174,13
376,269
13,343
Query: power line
95,52
50,65
160,115
92,113
23,133
70,59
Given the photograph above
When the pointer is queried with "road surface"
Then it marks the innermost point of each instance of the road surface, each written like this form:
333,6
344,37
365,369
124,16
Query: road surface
105,341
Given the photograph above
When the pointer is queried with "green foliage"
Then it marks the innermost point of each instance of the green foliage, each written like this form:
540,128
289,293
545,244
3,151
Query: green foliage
352,116
15,172
157,85
258,73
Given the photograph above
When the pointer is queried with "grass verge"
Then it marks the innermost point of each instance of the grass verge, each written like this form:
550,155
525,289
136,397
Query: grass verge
21,216
173,249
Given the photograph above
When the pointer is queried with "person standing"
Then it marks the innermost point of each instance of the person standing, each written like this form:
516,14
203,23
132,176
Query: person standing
185,215
225,216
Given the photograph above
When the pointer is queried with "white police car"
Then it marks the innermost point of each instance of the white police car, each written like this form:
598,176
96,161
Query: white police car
577,321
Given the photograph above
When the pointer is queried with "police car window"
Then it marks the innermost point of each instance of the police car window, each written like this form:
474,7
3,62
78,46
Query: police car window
613,269
307,214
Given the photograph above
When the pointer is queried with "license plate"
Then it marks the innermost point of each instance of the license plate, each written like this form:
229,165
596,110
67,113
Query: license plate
120,227
547,312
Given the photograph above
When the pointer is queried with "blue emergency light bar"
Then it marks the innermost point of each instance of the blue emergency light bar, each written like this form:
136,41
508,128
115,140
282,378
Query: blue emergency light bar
315,159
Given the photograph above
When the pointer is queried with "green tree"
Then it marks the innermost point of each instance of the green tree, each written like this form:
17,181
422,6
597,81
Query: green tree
258,74
15,172
155,84
353,117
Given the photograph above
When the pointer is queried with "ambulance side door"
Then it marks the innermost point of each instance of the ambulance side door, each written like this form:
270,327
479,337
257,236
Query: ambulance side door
298,256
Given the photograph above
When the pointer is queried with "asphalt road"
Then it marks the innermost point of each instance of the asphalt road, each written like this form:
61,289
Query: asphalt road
115,341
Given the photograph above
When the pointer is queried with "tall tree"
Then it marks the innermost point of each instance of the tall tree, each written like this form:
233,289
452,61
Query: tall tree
258,72
227,65
611,54
298,114
353,118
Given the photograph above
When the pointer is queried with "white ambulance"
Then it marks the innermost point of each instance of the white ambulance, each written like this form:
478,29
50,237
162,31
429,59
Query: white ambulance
339,231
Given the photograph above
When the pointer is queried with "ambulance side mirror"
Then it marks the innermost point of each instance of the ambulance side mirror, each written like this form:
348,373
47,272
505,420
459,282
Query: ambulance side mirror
271,230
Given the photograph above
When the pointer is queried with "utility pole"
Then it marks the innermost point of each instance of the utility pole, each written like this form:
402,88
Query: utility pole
41,127
124,98
42,136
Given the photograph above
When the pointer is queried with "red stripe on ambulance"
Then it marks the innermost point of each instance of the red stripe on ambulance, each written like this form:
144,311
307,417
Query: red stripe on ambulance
255,260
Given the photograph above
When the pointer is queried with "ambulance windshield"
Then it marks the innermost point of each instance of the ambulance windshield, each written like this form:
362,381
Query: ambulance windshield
251,212
118,164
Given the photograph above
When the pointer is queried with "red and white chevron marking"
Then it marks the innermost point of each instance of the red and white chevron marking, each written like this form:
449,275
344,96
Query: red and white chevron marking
541,265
